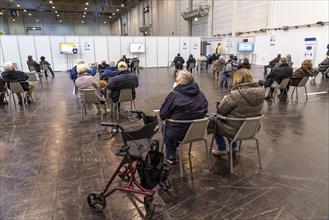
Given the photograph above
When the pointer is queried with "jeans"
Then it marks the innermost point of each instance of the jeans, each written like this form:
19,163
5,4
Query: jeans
171,146
221,142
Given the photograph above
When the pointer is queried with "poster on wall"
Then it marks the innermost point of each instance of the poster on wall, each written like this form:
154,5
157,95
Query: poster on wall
272,41
184,46
86,46
309,48
194,46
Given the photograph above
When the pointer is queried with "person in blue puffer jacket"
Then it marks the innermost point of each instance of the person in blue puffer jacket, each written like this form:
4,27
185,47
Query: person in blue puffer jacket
110,71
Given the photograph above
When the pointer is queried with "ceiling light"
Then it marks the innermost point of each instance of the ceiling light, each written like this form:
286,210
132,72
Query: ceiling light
24,10
60,21
117,9
87,3
104,22
122,5
33,28
86,9
30,14
113,13
14,19
57,15
53,7
37,20
110,17
50,2
84,12
84,16
56,12
82,22
18,5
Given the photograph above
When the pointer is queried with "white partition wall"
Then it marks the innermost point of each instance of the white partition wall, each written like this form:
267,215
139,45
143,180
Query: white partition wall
87,49
101,48
26,48
114,48
10,50
163,52
43,48
159,50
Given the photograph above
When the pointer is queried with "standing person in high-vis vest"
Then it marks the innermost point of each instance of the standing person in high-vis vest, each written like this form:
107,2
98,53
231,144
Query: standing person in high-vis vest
218,50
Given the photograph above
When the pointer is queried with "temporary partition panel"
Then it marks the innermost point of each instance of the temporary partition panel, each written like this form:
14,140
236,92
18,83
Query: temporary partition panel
163,51
151,52
114,47
26,47
195,46
73,58
125,42
184,47
101,48
60,61
87,49
43,48
173,48
11,51
141,56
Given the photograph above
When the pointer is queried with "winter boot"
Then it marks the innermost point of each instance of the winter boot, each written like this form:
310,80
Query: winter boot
98,109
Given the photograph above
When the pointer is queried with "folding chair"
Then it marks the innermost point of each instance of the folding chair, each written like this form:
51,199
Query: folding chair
302,83
283,85
16,87
196,132
45,69
32,69
126,95
247,131
89,97
136,67
34,78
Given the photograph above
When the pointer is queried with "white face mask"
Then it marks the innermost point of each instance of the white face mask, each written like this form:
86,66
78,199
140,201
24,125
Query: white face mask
175,84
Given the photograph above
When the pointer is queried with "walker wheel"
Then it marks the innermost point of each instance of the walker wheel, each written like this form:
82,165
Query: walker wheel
166,183
96,202
149,206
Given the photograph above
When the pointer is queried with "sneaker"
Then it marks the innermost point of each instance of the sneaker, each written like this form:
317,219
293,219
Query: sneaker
218,152
171,161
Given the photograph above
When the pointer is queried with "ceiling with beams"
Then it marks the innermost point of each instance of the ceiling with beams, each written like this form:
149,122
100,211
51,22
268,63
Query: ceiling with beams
67,9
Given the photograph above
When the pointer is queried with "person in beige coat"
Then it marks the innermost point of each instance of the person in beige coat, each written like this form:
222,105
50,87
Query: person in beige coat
245,99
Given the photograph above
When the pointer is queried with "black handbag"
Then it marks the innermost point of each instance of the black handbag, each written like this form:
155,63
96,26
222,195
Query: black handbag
150,170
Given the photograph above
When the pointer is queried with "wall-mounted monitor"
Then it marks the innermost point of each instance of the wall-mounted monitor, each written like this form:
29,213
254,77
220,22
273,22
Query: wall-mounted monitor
137,47
69,48
245,47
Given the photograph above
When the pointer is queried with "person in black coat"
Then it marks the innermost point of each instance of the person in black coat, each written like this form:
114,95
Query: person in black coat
30,62
179,61
125,80
185,102
274,79
272,63
191,60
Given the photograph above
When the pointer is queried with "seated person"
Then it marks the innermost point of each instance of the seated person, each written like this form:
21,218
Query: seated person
126,60
289,59
44,62
110,71
202,60
305,70
274,79
3,90
322,67
190,63
102,66
134,61
272,63
74,73
125,80
179,61
86,81
185,102
245,99
245,64
230,67
12,75
30,62
218,66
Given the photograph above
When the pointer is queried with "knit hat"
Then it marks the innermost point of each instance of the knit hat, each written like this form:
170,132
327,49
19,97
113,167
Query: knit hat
122,66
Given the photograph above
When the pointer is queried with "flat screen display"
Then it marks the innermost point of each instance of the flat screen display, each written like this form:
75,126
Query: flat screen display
245,47
137,48
69,48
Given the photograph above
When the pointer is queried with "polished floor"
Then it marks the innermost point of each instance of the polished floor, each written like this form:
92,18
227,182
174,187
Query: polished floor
51,161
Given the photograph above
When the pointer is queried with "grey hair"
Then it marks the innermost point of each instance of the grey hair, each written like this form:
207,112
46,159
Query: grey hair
184,77
82,68
283,60
81,61
8,66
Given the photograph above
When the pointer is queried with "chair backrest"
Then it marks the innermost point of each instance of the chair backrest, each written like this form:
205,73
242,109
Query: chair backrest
126,95
303,81
248,128
89,96
45,67
196,130
284,83
32,69
136,64
16,87
33,77
192,65
291,64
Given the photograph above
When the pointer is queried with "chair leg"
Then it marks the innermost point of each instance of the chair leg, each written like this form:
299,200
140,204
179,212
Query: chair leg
189,151
180,160
306,93
208,155
212,142
260,165
231,157
292,94
117,110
